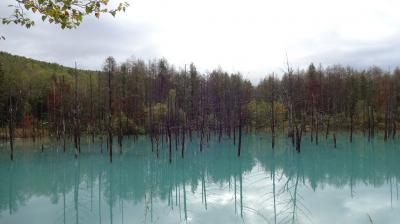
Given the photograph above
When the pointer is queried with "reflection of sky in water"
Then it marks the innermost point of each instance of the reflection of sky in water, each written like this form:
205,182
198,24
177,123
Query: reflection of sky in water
321,185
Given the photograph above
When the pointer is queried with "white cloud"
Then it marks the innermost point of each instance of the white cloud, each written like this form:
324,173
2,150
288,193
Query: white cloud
250,36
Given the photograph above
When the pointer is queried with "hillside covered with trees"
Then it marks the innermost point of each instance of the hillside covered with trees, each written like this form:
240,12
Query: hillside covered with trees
157,99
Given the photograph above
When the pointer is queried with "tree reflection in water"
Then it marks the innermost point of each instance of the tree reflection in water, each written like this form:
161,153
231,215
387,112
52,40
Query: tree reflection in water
262,186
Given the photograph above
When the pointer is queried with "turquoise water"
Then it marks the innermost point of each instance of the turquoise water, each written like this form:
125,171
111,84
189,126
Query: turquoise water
351,184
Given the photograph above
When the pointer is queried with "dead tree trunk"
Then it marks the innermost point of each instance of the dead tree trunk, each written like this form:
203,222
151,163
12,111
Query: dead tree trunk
394,127
101,106
312,125
291,132
298,139
92,126
351,126
334,140
109,127
234,134
121,104
120,134
369,124
75,122
273,113
372,123
316,127
386,131
62,113
202,114
11,126
169,129
184,115
55,120
240,132
299,132
327,128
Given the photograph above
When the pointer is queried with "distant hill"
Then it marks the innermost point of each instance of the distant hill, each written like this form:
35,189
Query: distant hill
19,71
30,81
14,63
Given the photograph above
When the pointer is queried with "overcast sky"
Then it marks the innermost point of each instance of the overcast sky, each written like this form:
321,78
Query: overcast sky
249,36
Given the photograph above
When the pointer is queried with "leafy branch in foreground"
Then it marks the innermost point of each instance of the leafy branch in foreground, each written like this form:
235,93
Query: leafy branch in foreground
67,13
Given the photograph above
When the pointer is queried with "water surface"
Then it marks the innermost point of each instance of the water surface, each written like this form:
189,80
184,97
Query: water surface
355,183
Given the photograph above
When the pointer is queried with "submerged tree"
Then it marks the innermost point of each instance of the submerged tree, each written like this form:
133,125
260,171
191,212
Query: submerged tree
110,67
175,106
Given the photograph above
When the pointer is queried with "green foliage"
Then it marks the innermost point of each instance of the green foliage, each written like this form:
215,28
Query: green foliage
172,94
30,81
66,13
258,112
160,111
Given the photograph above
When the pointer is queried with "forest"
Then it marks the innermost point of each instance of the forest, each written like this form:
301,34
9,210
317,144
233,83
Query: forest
170,104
